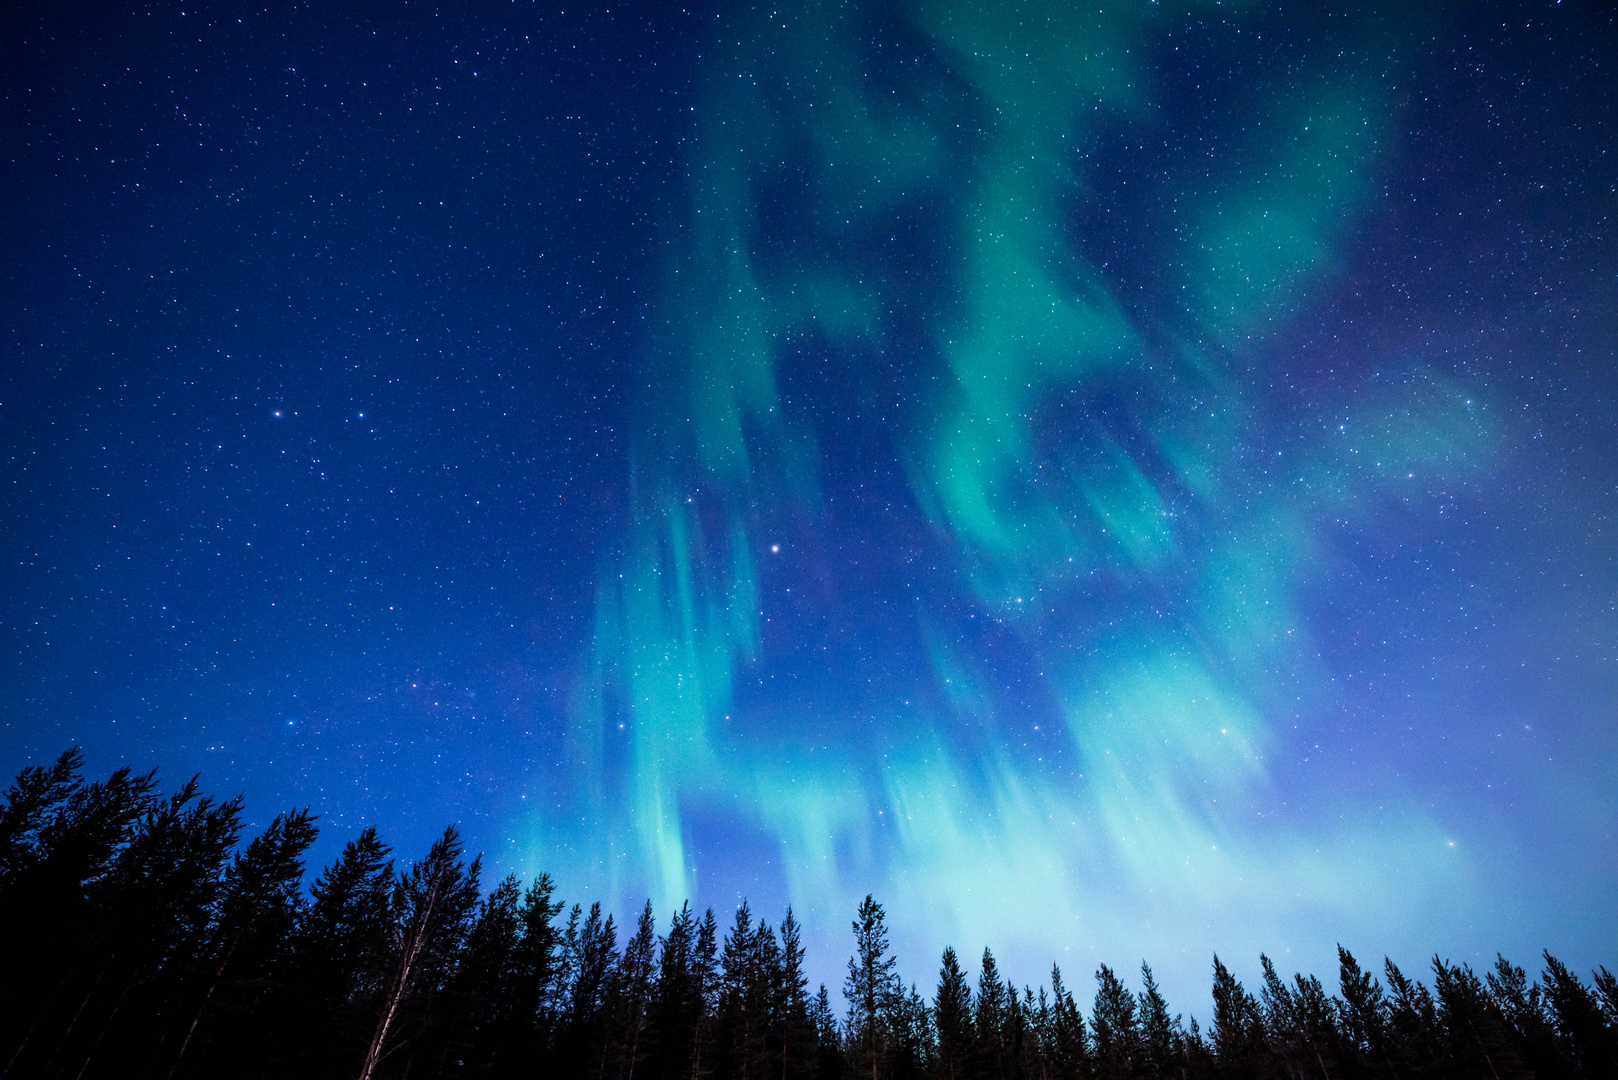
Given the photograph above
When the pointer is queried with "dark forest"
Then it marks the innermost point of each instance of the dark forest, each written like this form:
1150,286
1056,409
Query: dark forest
145,938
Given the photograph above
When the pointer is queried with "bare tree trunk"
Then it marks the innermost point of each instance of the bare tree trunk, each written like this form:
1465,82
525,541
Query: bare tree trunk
415,939
39,1018
104,1029
192,1030
634,1048
78,1015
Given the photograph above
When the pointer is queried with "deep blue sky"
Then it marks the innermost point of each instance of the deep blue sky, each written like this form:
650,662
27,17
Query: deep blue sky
1014,465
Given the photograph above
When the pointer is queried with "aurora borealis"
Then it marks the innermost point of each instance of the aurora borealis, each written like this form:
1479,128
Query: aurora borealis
1113,483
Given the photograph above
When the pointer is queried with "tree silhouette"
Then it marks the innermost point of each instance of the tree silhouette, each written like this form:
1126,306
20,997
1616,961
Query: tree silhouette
868,986
146,942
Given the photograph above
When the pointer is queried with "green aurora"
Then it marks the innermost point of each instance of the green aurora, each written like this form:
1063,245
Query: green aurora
903,197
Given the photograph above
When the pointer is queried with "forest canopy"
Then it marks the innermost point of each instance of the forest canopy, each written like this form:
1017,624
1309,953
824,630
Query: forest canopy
146,937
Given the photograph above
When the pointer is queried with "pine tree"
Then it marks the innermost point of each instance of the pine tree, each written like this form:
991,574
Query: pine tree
829,1057
1115,1028
1588,1041
1238,1028
430,908
952,1010
1413,1025
170,955
151,914
538,976
1070,1043
1527,1016
989,1021
1362,1018
61,838
1474,1030
636,970
1160,1036
870,976
797,1034
337,968
258,912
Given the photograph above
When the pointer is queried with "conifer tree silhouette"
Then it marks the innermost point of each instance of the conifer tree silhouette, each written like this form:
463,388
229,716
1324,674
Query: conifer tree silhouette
870,977
989,1020
797,1039
1070,1043
1413,1024
1160,1035
952,1010
1238,1028
169,951
1115,1028
430,907
258,912
1363,1017
1590,1042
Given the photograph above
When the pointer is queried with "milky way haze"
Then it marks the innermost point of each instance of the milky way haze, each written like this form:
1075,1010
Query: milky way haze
1112,482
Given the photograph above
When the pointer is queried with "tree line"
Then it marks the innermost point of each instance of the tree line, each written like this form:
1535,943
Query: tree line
144,939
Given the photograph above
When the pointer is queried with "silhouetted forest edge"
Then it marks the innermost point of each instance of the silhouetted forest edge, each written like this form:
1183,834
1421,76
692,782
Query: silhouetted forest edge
143,939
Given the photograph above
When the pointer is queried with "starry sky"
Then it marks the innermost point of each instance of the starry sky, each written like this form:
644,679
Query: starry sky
1114,483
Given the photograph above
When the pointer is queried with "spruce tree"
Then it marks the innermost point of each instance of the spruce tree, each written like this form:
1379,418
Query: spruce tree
989,1021
1160,1036
1474,1030
676,1002
1301,1022
733,1032
1527,1015
1362,1018
797,1033
478,1007
1238,1028
764,999
430,908
337,968
911,1043
29,801
636,971
829,1057
870,977
258,912
952,1011
705,987
1070,1043
1413,1025
590,959
1607,990
1587,1039
1115,1027
538,976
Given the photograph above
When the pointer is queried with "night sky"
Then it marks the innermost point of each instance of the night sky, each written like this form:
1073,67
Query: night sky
1115,483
